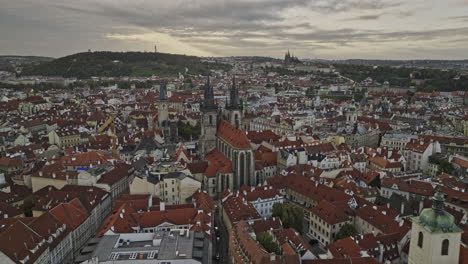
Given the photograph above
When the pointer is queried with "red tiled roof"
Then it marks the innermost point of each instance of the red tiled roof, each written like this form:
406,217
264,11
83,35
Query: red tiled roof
357,260
5,223
55,171
237,208
7,211
345,248
291,236
252,251
232,135
73,214
139,202
197,167
417,145
321,148
384,163
332,213
382,219
445,140
120,221
455,197
86,159
203,201
19,240
258,137
412,186
261,192
463,255
176,216
217,162
8,162
115,175
368,177
269,158
316,192
462,163
266,224
47,225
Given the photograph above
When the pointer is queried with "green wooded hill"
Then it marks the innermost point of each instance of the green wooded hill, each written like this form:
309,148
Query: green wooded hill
117,64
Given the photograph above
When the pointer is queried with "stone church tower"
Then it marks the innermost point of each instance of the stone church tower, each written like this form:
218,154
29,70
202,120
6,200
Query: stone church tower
163,111
234,107
209,121
435,238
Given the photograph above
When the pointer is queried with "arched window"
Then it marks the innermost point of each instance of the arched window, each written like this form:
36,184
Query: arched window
250,178
420,239
445,247
242,169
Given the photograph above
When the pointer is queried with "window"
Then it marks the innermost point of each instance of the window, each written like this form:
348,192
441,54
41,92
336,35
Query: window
445,247
420,239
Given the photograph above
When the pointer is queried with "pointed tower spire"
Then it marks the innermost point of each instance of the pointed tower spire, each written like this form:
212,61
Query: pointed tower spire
208,102
162,91
234,100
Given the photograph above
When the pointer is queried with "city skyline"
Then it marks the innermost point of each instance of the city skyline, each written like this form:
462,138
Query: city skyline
327,29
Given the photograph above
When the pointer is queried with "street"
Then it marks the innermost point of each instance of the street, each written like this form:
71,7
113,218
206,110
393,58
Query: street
221,245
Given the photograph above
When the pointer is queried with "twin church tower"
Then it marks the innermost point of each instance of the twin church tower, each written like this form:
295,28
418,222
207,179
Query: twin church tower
211,115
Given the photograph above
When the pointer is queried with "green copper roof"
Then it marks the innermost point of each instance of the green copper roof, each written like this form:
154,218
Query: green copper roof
436,219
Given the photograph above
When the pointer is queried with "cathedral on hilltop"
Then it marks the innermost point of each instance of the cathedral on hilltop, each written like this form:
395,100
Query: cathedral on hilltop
290,59
224,145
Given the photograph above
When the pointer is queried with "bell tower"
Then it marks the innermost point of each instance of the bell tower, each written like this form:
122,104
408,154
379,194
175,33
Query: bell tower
435,238
209,121
234,107
163,111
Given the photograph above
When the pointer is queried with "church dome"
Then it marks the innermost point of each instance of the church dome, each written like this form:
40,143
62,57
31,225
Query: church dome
436,219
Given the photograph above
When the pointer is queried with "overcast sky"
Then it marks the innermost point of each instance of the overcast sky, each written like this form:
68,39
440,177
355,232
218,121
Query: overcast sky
329,29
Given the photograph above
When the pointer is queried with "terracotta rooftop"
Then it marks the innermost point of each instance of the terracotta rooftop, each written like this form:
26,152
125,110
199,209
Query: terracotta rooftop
7,211
332,213
232,135
245,249
86,159
73,214
21,243
417,145
258,137
382,219
217,162
237,208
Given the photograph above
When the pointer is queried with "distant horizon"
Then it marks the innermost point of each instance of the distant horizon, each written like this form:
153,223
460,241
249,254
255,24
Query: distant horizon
279,58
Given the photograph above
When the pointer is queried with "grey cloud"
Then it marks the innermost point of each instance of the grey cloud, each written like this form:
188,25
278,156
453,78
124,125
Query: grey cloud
241,25
364,17
459,18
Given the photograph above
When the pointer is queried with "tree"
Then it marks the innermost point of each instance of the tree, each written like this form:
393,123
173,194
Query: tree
187,132
446,167
28,204
346,230
290,215
266,240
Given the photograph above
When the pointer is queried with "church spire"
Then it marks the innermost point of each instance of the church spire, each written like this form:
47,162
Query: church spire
208,102
234,98
162,91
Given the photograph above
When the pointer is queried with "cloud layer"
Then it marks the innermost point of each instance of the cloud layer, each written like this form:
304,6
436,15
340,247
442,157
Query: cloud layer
387,29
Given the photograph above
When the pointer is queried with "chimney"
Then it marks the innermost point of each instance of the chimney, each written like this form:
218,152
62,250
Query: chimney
162,206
